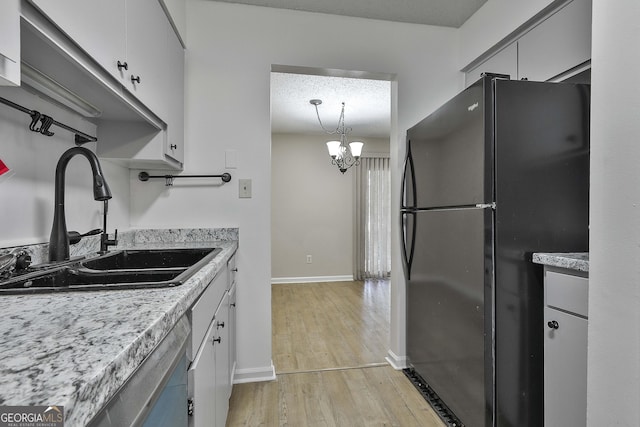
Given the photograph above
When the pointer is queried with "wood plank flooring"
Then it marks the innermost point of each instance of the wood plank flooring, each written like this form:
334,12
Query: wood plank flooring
329,325
329,344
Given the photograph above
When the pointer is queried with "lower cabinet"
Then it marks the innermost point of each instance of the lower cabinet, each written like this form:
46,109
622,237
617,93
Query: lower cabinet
232,333
202,384
210,379
221,354
565,349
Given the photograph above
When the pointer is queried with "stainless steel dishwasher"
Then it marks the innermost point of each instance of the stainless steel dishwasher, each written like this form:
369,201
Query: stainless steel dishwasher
156,394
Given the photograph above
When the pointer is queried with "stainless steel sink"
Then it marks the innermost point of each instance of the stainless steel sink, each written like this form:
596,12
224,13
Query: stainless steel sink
118,270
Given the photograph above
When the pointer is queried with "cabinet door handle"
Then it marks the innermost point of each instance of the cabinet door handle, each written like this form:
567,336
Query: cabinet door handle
135,79
219,325
216,340
122,65
235,270
173,146
553,324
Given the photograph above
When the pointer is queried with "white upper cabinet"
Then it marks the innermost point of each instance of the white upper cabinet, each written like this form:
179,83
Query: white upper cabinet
10,43
549,48
97,26
174,87
558,44
135,42
126,37
147,53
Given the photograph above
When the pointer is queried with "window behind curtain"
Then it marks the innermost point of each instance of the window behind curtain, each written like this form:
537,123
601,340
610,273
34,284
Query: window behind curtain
373,219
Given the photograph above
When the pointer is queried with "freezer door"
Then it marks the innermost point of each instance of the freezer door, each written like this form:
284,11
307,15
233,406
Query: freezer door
450,163
449,321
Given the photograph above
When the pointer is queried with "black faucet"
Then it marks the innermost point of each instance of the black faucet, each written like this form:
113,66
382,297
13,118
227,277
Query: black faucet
59,240
105,241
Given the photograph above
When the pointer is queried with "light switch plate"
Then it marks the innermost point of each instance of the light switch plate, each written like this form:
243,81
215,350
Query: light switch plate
245,188
231,159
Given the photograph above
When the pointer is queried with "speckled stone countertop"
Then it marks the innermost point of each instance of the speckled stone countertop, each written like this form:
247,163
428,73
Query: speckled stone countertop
76,349
572,261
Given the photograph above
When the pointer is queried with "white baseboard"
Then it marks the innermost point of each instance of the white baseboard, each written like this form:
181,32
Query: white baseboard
312,279
254,375
397,362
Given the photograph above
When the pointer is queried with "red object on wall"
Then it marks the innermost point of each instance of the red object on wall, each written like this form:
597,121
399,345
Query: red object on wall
3,168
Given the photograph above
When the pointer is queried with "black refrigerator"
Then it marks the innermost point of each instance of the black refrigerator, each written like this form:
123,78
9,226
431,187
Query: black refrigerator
497,173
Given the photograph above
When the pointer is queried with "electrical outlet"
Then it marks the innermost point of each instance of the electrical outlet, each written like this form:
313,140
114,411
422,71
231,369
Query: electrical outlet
309,259
245,188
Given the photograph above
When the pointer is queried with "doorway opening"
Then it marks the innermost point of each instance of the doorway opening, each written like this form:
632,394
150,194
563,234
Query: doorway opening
316,209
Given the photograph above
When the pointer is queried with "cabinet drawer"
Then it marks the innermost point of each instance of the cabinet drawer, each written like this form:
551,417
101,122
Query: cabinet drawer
567,292
204,309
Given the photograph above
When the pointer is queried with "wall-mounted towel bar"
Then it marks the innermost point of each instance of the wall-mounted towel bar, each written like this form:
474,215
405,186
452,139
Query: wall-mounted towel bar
41,123
144,176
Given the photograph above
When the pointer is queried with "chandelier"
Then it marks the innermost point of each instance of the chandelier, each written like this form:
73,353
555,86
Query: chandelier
342,155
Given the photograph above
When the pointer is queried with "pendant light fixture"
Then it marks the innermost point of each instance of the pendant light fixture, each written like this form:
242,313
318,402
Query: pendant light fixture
342,155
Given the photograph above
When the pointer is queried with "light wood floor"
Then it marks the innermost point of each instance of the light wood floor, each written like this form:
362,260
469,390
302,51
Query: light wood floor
329,325
329,343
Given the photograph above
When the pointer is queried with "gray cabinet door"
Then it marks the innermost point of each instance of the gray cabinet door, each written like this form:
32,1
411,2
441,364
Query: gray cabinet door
565,370
221,352
202,382
561,42
98,27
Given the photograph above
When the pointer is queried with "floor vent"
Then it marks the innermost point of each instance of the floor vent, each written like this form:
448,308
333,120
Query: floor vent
430,396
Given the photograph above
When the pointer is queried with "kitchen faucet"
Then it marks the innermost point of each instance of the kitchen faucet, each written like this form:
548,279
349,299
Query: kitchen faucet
59,239
105,241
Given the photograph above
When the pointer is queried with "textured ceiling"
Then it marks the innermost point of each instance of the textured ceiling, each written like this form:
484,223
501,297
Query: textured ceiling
448,13
367,104
367,109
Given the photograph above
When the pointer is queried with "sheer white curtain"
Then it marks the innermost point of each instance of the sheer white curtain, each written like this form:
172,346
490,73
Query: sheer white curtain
372,219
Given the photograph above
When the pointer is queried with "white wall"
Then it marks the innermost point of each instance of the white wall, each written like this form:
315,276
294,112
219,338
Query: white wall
27,198
312,207
614,268
311,210
230,53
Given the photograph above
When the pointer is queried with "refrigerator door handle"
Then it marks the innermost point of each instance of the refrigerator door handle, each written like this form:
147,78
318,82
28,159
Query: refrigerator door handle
408,173
408,252
486,205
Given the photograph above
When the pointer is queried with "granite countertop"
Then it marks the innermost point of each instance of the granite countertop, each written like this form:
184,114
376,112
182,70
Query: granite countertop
573,261
75,349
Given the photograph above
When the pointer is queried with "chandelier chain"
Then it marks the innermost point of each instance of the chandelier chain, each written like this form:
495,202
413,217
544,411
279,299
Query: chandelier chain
340,129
